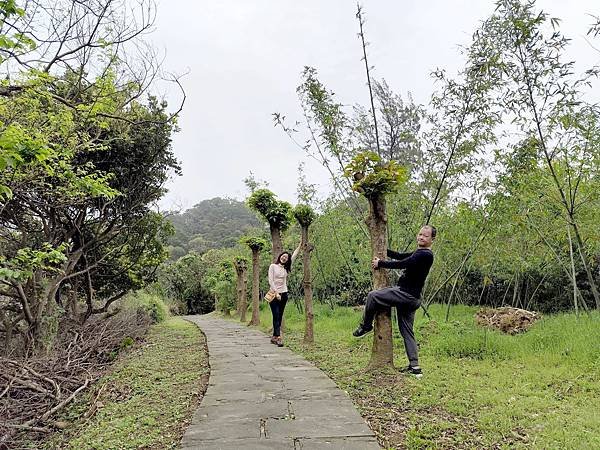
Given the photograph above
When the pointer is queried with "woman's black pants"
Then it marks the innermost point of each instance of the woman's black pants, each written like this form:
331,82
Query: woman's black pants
277,308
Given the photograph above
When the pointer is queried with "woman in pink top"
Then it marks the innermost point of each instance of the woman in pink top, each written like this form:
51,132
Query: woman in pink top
278,273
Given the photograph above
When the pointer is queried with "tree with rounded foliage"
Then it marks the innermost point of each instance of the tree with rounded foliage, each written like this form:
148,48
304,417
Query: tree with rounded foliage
256,245
375,179
82,160
305,216
276,212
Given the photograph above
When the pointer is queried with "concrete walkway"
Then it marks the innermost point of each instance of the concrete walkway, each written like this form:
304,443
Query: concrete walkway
261,396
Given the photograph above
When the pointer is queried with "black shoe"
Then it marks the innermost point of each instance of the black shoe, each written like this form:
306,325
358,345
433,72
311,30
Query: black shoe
362,330
416,371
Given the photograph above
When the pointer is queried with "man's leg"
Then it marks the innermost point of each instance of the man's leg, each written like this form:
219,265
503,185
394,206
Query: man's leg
377,300
406,319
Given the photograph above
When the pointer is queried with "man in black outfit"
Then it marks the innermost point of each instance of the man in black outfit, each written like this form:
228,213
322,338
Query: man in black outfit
406,296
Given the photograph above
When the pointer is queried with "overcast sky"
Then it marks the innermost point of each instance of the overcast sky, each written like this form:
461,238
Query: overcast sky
244,59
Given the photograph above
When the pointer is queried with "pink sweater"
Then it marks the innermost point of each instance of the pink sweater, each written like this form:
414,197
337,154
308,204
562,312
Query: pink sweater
278,275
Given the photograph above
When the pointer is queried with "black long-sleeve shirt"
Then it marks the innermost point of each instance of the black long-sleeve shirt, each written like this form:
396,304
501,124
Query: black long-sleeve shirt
416,267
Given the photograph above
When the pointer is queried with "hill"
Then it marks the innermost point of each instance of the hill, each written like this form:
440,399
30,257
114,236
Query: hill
214,223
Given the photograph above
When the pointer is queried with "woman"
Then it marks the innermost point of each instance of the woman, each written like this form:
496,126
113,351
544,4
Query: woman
278,273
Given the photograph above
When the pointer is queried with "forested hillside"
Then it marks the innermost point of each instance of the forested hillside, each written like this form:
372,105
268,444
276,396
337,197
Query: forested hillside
214,223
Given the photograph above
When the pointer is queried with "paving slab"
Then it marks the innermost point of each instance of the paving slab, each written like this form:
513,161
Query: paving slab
261,396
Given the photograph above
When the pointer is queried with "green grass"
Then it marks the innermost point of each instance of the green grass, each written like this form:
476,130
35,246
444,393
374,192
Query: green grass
147,400
481,389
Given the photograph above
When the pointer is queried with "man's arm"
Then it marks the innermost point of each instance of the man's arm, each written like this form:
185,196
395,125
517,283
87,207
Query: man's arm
414,259
401,264
395,255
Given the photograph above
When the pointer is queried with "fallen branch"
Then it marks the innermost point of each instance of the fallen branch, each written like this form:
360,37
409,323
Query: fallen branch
27,427
65,402
36,389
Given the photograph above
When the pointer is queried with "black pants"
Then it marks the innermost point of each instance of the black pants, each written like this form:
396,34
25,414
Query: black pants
406,306
277,307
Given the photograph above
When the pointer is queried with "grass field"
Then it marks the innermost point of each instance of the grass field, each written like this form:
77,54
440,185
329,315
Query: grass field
147,400
481,388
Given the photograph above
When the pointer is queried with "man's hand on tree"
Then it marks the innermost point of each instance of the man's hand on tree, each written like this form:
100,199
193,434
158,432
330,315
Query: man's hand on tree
375,263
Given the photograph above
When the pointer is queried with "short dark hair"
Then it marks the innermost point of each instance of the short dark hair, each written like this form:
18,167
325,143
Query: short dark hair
432,228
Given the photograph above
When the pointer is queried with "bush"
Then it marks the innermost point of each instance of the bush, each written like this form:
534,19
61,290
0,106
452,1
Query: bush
176,307
149,304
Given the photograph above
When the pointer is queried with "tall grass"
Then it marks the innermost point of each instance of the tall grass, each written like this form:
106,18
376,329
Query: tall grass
554,339
481,389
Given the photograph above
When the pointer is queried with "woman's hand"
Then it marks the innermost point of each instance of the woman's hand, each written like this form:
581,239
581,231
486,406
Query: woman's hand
375,263
278,296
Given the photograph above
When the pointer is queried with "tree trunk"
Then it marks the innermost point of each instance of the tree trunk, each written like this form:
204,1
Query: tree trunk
73,300
382,352
243,295
238,288
573,271
309,337
516,290
255,284
42,326
277,245
585,263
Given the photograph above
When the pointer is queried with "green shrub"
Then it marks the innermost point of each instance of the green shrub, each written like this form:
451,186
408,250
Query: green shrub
157,309
126,342
149,304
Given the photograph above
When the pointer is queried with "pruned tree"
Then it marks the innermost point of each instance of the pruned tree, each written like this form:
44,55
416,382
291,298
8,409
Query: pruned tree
241,268
375,179
305,216
367,172
277,213
256,245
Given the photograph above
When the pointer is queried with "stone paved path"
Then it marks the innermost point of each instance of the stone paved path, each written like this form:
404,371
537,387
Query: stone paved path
261,396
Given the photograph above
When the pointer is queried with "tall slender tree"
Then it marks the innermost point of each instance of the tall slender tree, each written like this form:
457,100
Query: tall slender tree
543,98
305,216
241,268
375,179
256,245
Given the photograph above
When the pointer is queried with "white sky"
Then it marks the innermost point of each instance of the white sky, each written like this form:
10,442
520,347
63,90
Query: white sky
244,59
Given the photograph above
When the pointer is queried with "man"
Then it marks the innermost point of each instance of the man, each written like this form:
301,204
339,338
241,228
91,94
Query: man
406,296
